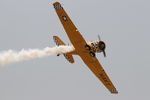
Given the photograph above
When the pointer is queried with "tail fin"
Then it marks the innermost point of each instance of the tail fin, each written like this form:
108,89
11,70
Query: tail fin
59,42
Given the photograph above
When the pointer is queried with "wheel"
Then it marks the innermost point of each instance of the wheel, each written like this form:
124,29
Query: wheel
92,54
87,47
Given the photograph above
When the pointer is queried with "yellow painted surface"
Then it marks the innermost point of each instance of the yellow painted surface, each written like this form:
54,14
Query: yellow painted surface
79,44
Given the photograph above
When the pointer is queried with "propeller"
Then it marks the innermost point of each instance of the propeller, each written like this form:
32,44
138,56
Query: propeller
99,38
104,53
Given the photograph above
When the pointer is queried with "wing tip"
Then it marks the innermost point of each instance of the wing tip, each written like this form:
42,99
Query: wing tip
56,3
113,90
57,6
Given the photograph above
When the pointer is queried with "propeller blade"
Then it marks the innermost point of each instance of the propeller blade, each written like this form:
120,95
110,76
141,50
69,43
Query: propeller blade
104,53
99,38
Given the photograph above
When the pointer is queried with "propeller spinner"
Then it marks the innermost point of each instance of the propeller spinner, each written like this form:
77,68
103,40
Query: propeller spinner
102,46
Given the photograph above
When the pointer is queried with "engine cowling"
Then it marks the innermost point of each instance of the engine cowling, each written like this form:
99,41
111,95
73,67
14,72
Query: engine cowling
102,45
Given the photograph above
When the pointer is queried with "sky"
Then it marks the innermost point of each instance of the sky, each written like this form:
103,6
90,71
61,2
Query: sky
122,24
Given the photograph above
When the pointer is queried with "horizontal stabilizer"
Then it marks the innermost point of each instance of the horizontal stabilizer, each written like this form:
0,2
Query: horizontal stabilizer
59,42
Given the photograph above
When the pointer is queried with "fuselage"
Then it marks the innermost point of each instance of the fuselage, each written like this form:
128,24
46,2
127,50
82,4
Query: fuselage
93,46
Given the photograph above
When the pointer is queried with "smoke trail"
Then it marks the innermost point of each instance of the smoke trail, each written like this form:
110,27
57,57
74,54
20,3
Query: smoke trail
11,56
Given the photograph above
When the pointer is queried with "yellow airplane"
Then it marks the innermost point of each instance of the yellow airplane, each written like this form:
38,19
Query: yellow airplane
86,50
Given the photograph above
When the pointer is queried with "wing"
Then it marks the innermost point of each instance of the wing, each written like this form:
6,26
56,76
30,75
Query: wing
98,70
74,35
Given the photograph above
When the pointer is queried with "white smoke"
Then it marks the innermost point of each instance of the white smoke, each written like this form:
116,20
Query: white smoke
11,56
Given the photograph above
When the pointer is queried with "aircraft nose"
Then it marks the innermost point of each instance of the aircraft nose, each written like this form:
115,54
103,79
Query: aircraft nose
102,45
